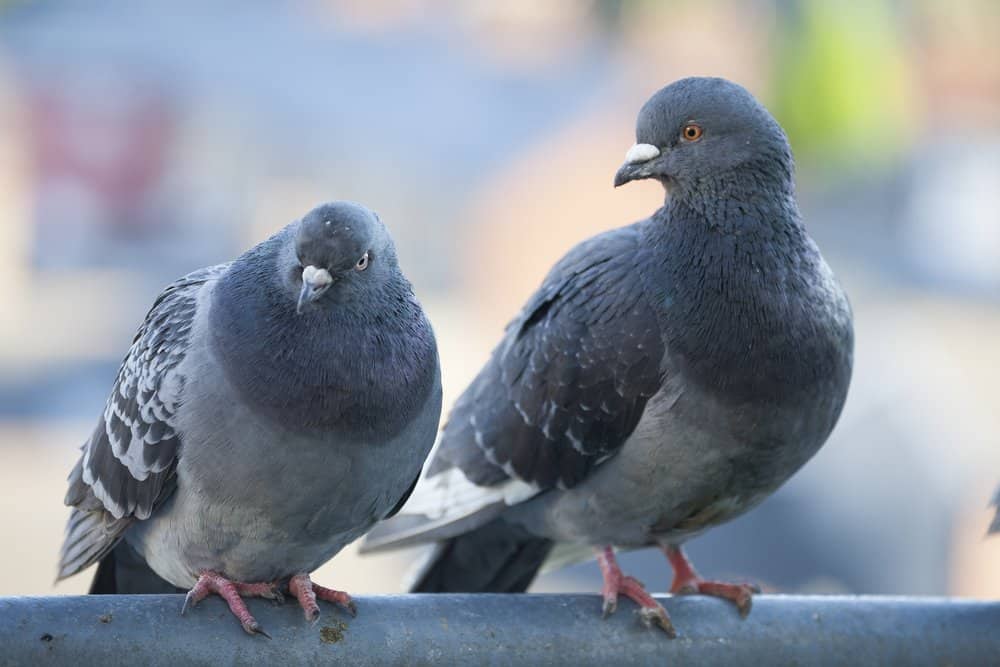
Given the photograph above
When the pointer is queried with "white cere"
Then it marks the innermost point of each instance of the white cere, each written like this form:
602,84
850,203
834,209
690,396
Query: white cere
316,277
641,153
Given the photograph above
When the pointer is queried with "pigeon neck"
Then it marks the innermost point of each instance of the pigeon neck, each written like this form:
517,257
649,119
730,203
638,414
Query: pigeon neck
750,241
727,201
740,280
354,370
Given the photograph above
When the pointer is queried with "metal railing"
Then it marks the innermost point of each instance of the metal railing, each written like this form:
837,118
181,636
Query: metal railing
502,630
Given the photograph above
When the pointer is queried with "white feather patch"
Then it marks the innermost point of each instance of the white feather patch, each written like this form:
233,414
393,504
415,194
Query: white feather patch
450,495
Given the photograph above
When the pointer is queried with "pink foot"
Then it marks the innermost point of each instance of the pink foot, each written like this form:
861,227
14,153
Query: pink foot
615,582
687,581
230,591
306,592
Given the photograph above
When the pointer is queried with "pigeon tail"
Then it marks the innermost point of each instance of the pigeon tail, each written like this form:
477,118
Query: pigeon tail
497,557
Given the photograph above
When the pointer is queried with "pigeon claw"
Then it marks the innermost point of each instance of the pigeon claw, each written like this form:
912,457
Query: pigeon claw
610,605
307,593
687,582
651,612
253,628
339,598
267,590
350,608
657,616
302,588
230,591
739,594
616,583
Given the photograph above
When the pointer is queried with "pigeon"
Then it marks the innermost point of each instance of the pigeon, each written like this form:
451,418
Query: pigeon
269,412
667,376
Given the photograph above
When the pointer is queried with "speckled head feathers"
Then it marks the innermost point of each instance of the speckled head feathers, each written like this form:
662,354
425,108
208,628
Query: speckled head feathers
706,128
336,236
327,361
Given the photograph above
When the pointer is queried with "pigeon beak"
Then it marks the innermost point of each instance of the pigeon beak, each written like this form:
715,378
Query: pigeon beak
314,283
638,163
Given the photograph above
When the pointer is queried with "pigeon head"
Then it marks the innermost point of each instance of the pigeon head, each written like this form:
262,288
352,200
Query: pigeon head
702,129
341,249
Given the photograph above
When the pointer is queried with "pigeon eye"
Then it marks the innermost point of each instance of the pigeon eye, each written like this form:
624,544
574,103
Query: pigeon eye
692,132
362,263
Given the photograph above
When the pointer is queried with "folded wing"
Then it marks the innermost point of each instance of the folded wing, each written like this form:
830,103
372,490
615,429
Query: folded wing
127,467
560,394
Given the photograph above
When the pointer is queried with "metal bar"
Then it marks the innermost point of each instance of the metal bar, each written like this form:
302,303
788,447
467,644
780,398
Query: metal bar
502,630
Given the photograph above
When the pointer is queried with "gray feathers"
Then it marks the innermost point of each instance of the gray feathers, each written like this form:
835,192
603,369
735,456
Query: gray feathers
127,465
741,140
243,437
328,368
567,384
667,376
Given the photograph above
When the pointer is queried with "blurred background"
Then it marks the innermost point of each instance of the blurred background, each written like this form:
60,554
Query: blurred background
142,140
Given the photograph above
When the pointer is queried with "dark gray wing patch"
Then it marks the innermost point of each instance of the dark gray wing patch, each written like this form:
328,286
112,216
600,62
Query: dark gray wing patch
568,383
127,466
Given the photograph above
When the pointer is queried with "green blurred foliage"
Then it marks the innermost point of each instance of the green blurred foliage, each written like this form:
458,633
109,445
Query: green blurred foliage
841,81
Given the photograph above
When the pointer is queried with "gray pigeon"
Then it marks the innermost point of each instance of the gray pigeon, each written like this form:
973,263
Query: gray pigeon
666,377
268,413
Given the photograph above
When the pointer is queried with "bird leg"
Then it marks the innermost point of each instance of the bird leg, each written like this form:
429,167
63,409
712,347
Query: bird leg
231,591
306,592
615,582
687,581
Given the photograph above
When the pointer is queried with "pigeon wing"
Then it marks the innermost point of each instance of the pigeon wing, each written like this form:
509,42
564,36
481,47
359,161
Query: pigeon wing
569,381
126,469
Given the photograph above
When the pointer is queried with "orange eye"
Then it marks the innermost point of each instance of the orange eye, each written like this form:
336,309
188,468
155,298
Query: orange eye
692,132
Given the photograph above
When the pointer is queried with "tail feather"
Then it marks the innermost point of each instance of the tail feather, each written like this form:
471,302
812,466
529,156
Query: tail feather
94,536
90,535
497,557
104,582
444,506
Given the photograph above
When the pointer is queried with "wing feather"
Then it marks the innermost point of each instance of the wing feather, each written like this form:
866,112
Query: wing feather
566,386
126,468
560,395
